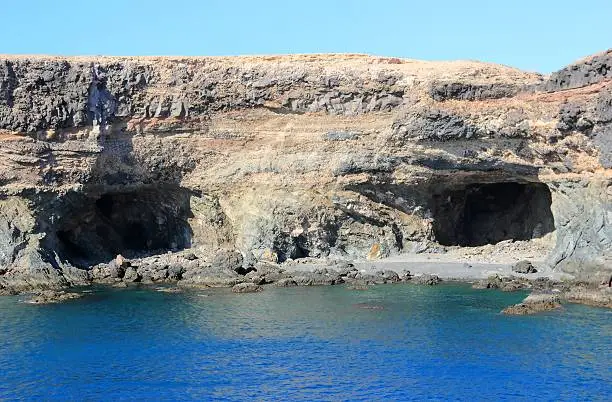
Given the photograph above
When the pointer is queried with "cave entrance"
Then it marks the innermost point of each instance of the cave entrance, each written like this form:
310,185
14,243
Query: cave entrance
135,224
488,213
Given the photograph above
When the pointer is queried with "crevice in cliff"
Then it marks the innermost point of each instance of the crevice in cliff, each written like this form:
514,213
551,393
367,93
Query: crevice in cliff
134,223
477,214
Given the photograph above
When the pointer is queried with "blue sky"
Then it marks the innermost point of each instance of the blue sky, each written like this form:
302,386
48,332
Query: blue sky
533,35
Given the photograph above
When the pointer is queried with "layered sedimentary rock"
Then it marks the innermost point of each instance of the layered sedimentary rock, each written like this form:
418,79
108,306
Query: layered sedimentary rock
288,157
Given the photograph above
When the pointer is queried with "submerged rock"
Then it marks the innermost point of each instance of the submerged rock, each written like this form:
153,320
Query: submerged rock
52,296
357,285
168,290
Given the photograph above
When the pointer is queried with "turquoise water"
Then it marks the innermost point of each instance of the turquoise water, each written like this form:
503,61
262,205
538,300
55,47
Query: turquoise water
392,342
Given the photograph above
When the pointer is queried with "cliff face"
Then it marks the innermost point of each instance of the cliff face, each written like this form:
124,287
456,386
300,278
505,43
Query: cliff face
297,156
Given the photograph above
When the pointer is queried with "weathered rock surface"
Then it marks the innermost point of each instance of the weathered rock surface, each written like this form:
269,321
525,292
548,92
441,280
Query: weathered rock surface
590,70
197,170
535,303
598,297
524,267
429,280
514,283
246,288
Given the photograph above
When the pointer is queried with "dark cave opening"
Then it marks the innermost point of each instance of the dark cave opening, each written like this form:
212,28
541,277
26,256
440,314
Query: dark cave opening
136,223
487,213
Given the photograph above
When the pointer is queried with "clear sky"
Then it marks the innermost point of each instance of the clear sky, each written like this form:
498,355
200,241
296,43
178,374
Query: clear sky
536,35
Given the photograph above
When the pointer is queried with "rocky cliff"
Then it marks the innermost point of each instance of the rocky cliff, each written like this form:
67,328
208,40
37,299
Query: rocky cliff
286,157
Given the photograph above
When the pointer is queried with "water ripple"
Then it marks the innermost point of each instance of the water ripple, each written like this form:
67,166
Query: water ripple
324,343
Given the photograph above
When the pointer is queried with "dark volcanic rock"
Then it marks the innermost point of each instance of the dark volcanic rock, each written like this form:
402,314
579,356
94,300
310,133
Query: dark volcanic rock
442,91
431,124
589,71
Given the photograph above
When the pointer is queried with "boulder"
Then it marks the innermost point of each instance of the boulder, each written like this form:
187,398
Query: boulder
153,273
266,273
427,279
131,275
313,279
190,256
113,270
524,267
175,272
286,283
406,275
258,280
344,268
206,276
246,287
388,276
227,259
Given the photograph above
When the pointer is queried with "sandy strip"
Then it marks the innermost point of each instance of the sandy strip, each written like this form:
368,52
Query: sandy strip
446,267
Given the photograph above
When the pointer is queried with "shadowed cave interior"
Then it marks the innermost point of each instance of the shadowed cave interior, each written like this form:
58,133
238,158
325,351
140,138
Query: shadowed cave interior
154,220
137,223
488,213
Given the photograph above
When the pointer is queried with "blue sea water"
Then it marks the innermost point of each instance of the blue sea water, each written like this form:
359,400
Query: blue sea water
392,342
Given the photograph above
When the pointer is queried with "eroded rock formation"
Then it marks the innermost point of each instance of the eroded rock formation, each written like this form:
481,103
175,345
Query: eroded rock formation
296,156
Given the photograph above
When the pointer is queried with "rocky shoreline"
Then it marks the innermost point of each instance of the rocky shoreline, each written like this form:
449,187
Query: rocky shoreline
303,170
227,269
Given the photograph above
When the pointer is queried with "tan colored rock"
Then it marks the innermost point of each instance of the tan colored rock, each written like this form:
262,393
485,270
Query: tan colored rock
269,256
597,297
246,287
534,303
287,157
